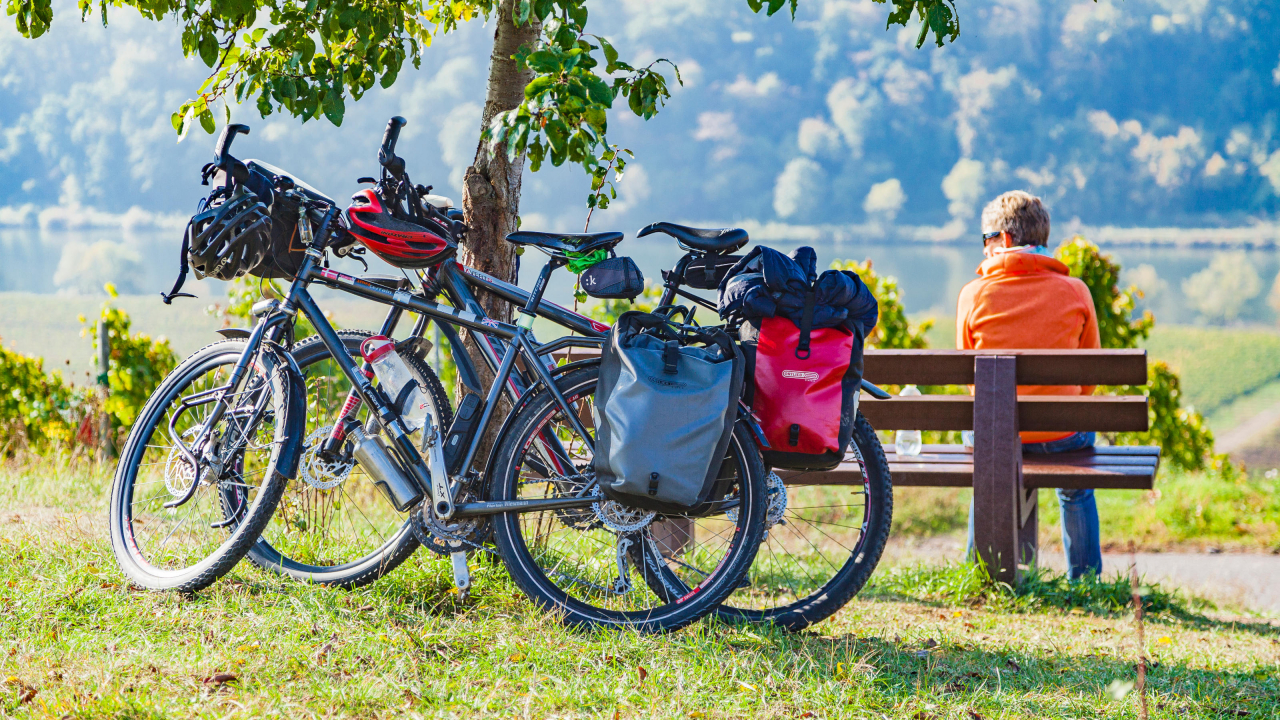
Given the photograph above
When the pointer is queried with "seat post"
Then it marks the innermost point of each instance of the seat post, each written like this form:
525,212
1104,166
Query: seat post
530,309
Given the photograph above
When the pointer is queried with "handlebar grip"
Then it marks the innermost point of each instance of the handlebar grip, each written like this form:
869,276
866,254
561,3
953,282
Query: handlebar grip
390,137
224,141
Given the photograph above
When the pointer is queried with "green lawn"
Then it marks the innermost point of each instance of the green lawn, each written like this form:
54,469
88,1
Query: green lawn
1217,365
920,643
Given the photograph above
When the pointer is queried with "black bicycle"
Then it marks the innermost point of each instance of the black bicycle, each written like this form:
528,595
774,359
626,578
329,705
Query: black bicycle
571,550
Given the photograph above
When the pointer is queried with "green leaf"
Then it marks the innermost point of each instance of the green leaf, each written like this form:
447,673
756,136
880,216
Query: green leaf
522,12
334,106
538,85
775,6
598,91
208,49
610,55
207,122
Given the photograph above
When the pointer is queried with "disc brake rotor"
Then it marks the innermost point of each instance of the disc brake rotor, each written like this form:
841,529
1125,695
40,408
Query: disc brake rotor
318,472
179,473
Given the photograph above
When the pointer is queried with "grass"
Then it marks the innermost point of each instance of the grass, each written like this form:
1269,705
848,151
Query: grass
1217,365
919,643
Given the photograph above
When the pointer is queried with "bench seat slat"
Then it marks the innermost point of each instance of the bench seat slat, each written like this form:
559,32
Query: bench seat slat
1044,367
1073,459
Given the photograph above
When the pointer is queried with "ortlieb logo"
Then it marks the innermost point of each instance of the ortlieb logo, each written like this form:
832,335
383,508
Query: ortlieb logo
804,375
666,383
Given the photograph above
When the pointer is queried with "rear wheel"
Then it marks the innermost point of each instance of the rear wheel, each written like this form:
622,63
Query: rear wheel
333,525
595,566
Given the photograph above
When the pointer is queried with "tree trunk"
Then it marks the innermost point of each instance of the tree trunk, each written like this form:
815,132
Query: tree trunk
491,188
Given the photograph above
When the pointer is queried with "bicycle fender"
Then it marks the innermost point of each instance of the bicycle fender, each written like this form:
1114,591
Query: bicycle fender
234,333
275,360
524,400
746,417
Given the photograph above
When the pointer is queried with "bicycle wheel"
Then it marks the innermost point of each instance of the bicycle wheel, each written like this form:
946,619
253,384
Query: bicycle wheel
181,519
333,525
591,565
822,542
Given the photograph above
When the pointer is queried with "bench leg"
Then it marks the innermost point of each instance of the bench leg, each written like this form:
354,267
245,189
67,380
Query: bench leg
997,466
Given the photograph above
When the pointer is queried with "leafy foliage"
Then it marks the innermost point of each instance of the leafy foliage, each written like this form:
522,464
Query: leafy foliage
893,331
137,364
940,16
1184,438
1114,306
564,113
37,411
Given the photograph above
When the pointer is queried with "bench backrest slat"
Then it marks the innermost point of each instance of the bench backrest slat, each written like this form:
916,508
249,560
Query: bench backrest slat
1035,367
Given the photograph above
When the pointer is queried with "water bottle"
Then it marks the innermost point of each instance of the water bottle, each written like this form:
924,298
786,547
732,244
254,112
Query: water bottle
908,441
396,380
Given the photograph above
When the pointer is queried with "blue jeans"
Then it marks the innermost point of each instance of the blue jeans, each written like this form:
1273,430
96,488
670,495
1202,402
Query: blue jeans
1080,539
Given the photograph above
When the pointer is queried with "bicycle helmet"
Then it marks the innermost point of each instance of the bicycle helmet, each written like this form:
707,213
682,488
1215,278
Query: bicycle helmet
229,234
420,243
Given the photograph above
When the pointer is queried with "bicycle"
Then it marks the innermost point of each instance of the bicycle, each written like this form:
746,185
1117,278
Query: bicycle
564,545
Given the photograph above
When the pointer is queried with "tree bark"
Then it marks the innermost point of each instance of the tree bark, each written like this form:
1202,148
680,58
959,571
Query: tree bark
491,186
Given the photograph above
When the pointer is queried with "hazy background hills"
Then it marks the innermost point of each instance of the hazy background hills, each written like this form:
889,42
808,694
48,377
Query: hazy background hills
827,129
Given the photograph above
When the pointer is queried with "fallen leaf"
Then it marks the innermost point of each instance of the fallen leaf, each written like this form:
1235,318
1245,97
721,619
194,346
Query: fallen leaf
221,679
1014,666
974,715
1164,640
697,714
746,687
806,714
27,695
516,657
958,613
930,644
971,626
642,673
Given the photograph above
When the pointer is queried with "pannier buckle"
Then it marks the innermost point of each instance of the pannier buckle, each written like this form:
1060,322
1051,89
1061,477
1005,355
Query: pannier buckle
653,484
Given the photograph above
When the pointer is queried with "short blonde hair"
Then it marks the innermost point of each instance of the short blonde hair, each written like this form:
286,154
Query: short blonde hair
1020,214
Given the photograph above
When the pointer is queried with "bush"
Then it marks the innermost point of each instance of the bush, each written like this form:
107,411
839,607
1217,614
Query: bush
246,291
893,331
37,411
137,363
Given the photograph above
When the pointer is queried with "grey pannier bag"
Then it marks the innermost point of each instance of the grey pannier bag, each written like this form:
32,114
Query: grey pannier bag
665,407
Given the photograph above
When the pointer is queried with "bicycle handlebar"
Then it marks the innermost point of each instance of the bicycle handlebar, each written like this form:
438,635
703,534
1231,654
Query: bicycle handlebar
387,153
224,141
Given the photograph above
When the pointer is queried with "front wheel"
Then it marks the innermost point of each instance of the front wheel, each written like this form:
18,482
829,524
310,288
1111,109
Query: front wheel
193,490
821,544
595,566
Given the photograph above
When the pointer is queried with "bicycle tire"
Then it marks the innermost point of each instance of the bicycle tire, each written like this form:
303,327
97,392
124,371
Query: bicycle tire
819,603
126,523
720,576
396,545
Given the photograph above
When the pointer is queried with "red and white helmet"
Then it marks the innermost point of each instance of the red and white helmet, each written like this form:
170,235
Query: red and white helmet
420,243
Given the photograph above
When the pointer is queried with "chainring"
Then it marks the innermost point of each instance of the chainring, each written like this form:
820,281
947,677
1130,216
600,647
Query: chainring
445,537
317,472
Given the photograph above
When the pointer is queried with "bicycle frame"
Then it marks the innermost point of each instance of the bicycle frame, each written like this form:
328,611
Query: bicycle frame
517,342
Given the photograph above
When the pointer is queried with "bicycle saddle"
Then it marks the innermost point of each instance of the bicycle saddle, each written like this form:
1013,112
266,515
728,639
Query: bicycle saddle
556,243
713,240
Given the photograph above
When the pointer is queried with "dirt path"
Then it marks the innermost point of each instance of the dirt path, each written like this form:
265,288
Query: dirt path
1240,435
1250,580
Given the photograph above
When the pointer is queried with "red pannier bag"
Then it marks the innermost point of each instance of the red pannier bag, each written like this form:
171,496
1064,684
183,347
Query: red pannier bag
805,392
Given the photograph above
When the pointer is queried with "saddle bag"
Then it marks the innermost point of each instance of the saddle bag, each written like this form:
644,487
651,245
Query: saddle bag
612,278
665,407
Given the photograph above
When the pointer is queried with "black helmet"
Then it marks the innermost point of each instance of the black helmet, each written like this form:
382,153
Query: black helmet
229,234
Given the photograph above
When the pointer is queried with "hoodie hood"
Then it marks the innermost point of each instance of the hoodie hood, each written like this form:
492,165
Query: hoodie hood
1021,263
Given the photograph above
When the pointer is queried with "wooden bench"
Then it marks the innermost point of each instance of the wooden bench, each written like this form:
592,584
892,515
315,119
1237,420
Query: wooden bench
1005,481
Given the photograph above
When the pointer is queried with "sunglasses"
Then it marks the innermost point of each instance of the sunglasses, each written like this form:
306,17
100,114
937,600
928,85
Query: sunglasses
986,237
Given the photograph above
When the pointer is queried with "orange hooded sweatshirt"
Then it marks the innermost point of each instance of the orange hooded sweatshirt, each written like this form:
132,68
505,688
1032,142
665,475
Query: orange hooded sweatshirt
1026,300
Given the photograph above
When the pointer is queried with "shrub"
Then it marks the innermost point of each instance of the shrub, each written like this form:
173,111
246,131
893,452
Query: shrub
246,291
37,411
137,363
